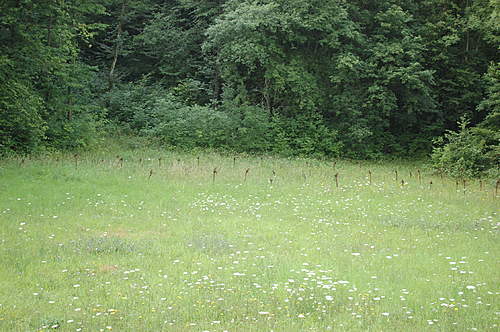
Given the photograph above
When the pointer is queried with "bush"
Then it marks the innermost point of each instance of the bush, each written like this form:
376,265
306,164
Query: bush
173,119
133,104
252,132
190,126
468,153
82,131
239,128
304,135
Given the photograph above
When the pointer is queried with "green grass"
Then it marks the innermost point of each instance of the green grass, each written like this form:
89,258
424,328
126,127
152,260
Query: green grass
92,246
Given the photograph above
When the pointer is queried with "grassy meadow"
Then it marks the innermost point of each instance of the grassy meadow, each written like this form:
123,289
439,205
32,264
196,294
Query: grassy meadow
150,240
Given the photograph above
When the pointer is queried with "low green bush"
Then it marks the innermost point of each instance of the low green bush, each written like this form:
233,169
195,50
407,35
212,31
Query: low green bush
188,127
83,130
304,135
467,153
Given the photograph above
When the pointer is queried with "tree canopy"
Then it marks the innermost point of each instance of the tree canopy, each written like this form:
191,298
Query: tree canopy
296,77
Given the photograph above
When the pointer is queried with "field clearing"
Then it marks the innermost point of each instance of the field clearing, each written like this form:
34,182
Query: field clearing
148,240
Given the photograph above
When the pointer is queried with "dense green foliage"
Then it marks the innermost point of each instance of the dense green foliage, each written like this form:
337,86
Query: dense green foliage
294,77
469,153
45,95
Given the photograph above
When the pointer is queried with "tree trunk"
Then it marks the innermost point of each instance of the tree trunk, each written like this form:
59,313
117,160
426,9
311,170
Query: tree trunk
117,47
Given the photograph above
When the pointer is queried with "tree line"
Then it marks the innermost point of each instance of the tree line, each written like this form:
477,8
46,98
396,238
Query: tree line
358,79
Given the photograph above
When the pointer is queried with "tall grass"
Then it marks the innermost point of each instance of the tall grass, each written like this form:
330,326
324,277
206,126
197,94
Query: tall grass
149,240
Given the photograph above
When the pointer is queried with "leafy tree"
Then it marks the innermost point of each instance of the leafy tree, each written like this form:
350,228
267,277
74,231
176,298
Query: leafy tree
382,88
459,49
277,54
43,83
21,126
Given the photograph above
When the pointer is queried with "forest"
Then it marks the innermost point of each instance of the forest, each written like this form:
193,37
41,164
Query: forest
351,79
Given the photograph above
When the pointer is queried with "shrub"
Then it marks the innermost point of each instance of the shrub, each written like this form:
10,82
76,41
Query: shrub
468,153
190,126
304,135
252,132
132,104
82,131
